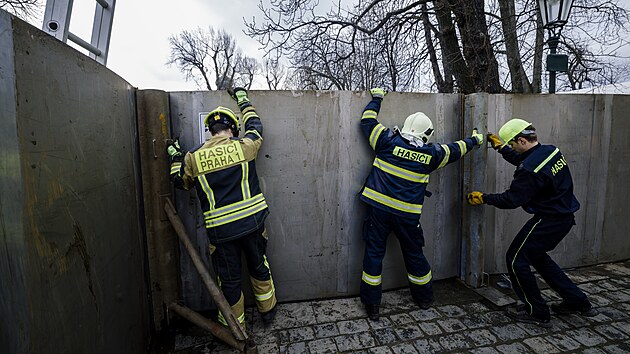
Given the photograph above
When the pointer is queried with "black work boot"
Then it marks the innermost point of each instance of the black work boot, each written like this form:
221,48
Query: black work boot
372,311
564,309
525,317
268,316
424,304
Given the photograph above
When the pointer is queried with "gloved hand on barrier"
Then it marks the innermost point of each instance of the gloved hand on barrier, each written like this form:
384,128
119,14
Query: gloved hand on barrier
478,136
239,95
475,198
494,141
378,92
173,150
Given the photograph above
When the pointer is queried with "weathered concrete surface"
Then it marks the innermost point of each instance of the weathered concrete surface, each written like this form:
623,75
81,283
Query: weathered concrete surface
312,166
71,246
591,131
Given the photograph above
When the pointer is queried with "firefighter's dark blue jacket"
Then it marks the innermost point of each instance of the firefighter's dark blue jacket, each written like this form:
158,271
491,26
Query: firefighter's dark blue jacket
223,171
400,173
542,183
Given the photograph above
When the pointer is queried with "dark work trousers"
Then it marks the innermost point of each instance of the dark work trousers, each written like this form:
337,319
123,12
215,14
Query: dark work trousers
529,248
226,261
376,228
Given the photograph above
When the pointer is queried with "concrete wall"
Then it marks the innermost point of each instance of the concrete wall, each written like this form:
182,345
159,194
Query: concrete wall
312,165
591,131
72,275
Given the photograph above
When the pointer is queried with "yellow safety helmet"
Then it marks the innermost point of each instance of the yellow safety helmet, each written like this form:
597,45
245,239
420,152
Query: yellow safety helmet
418,125
511,129
222,115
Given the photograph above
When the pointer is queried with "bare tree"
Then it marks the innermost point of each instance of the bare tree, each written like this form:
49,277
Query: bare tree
466,45
205,54
274,72
24,9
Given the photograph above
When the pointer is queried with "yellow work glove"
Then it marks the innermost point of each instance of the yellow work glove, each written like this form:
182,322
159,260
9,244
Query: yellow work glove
494,140
378,92
239,95
475,198
478,136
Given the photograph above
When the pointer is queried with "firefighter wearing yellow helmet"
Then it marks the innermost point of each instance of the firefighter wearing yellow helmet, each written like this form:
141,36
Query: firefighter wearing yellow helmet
223,171
394,192
542,186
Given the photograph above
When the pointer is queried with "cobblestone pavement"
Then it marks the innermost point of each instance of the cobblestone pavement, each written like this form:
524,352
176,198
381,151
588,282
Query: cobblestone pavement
461,321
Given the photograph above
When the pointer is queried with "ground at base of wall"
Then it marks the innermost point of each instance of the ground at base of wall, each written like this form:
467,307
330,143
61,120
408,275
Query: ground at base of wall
461,320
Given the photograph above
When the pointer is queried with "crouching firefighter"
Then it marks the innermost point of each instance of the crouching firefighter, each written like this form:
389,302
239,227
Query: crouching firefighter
394,191
223,171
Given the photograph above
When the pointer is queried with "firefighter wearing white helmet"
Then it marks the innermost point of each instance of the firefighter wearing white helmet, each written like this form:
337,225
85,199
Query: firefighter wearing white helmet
542,186
394,192
223,171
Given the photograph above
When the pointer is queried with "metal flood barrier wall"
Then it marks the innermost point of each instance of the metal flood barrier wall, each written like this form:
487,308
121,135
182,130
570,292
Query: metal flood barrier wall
72,270
312,165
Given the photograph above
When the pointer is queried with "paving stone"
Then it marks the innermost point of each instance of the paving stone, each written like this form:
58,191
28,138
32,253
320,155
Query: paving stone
497,318
610,332
550,295
579,278
430,328
481,337
586,337
591,288
355,341
513,348
613,313
451,310
610,286
268,348
593,351
338,310
563,342
599,300
618,349
408,332
623,326
296,335
380,350
383,322
188,341
508,332
540,345
495,296
575,320
453,341
428,345
294,315
474,321
533,330
404,348
325,345
485,350
384,336
451,325
475,308
294,348
401,319
618,296
397,301
425,315
326,330
617,269
353,326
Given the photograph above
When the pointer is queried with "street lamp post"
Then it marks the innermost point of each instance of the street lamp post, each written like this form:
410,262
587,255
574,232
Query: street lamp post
554,14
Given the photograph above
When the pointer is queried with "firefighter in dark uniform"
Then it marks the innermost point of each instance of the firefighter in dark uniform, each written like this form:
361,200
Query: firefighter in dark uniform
542,185
223,171
394,192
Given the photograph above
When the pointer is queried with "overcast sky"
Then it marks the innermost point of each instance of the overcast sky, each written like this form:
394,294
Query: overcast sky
139,45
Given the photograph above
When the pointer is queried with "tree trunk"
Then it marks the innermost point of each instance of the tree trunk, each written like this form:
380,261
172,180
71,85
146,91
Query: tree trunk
439,80
538,53
452,58
471,21
520,82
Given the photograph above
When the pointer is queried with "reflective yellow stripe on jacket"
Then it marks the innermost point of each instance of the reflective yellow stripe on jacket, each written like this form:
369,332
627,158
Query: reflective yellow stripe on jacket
400,172
235,211
392,202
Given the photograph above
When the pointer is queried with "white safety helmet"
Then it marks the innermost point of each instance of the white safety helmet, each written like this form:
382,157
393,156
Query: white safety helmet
418,125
